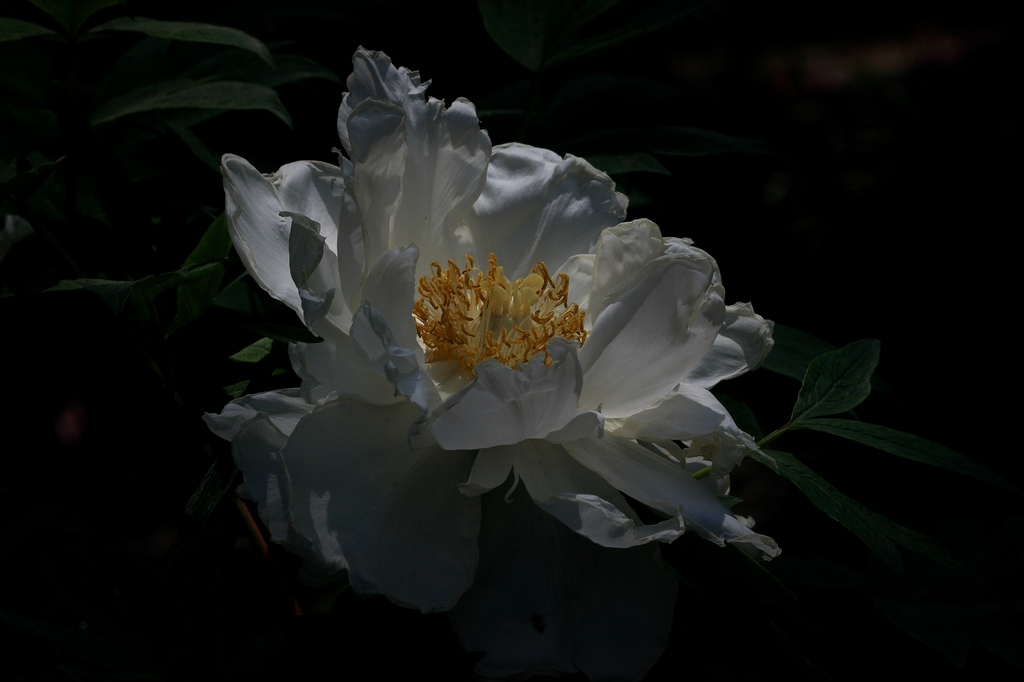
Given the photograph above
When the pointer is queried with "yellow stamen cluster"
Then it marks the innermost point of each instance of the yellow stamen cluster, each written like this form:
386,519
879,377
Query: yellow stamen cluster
468,316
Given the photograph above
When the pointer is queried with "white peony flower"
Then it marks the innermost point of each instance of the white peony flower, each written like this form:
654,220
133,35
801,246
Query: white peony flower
492,332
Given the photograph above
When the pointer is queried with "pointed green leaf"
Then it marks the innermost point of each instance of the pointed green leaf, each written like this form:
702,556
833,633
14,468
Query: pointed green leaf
284,333
15,29
656,16
1000,638
794,351
908,446
947,629
21,185
292,68
838,381
875,530
254,352
189,95
195,296
189,32
823,495
114,293
194,144
71,14
618,164
525,28
729,501
152,285
218,481
236,391
742,415
213,246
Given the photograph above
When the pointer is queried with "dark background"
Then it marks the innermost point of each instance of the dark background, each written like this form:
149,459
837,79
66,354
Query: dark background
884,213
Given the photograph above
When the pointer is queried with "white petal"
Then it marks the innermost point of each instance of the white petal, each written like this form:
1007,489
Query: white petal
379,350
684,413
653,330
621,252
742,345
259,426
396,514
351,250
260,234
663,485
582,500
504,405
258,231
334,368
445,155
546,600
257,453
390,289
284,409
580,269
537,206
374,77
692,414
314,270
579,426
444,172
377,131
491,468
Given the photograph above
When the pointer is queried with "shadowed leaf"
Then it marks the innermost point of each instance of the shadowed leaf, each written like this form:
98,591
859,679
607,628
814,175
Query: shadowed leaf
189,32
838,381
908,446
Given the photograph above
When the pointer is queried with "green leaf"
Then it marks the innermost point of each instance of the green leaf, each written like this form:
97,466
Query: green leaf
292,68
214,246
875,530
284,333
525,28
189,32
670,141
998,638
218,481
657,16
742,415
236,391
71,14
908,446
823,495
729,501
618,164
114,293
794,351
947,629
189,95
22,185
15,29
254,352
195,296
817,572
151,285
837,381
194,144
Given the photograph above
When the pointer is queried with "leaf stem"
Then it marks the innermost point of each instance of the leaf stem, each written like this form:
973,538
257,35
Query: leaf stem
774,435
701,473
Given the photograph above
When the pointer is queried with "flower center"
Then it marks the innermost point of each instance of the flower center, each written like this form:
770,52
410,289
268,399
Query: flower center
469,316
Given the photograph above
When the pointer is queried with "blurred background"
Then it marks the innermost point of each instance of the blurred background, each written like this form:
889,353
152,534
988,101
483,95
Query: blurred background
855,183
